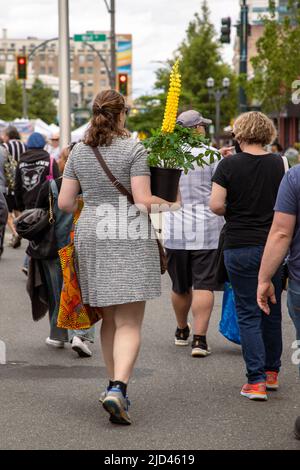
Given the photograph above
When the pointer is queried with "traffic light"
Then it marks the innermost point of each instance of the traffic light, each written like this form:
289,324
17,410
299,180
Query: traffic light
21,67
123,84
226,30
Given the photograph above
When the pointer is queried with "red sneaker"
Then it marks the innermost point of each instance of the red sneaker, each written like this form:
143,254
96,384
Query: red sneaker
272,380
255,391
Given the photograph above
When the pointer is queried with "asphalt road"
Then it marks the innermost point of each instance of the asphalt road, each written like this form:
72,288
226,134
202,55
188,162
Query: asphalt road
48,398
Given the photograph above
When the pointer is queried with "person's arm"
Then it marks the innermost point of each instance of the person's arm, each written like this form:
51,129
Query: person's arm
280,237
276,249
68,196
218,198
146,202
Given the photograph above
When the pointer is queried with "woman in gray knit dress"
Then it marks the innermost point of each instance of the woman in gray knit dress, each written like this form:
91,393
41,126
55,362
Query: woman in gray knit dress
118,258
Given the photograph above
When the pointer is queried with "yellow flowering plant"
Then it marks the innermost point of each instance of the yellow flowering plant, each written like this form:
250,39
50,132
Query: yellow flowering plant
171,146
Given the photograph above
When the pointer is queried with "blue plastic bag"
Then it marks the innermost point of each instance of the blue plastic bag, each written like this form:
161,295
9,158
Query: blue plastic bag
228,326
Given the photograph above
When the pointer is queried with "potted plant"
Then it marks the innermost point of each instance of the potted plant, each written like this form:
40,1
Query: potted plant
170,148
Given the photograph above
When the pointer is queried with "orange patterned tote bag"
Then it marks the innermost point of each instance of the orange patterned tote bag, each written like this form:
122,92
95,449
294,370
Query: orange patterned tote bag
73,314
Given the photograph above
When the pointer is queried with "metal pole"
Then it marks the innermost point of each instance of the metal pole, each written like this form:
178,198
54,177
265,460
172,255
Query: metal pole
113,66
218,116
24,94
64,74
243,53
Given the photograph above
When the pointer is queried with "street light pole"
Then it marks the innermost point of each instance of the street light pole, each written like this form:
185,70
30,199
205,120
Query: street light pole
218,95
64,74
113,59
244,31
113,43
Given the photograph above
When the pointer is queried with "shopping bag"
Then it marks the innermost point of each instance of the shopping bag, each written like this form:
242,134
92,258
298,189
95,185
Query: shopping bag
73,313
228,326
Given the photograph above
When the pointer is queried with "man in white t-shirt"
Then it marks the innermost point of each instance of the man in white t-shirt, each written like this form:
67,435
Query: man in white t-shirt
53,147
191,241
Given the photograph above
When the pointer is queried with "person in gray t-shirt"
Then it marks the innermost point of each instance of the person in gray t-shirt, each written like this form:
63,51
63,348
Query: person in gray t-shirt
284,237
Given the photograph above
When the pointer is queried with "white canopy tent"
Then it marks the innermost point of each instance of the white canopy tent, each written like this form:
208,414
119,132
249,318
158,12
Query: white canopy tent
78,134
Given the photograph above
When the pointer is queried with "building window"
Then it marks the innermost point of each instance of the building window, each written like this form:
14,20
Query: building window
2,57
103,83
50,70
90,70
42,57
42,70
90,83
81,70
82,59
12,45
90,58
103,72
10,57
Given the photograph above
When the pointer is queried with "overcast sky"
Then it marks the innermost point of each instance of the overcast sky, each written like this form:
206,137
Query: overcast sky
157,26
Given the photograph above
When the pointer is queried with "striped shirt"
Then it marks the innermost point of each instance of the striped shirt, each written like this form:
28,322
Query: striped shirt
194,226
15,148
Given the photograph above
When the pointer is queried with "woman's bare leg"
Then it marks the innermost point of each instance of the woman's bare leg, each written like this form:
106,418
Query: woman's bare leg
107,335
127,339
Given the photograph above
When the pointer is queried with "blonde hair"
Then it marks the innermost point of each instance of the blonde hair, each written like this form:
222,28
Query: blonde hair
254,128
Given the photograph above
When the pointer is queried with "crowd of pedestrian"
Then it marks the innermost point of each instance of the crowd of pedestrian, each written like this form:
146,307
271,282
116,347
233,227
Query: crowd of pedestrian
223,217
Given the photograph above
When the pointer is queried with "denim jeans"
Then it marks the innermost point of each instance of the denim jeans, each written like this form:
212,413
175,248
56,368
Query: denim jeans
293,302
53,276
261,334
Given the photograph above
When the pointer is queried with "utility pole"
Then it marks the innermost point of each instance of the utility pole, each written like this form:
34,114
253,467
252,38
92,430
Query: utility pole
244,32
113,43
113,59
64,74
24,93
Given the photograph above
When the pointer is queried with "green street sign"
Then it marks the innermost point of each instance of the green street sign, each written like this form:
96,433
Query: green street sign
89,37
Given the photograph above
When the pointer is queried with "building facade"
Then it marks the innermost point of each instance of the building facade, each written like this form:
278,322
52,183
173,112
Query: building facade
86,68
290,120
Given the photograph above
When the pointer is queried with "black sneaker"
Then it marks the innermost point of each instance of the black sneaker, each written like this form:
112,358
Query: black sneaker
182,336
199,347
297,428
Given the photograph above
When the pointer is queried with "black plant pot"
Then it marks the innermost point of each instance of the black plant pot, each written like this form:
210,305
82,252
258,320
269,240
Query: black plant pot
164,182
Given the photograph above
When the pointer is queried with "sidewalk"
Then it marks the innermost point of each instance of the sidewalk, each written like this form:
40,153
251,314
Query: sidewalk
49,397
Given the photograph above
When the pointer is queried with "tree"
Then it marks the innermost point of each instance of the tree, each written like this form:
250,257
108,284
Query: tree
277,63
13,107
40,103
39,98
200,58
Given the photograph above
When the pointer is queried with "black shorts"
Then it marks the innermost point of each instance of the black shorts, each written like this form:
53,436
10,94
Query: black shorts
192,269
11,202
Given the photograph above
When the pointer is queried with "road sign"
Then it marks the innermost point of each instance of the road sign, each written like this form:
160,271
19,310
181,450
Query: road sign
90,37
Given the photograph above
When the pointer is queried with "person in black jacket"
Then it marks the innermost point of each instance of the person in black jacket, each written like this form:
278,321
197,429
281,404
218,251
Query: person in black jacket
3,220
34,168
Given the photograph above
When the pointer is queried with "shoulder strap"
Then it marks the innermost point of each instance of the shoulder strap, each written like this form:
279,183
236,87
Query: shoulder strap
116,183
51,168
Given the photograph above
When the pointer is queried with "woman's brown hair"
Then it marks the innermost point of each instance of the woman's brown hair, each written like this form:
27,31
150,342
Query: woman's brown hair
105,122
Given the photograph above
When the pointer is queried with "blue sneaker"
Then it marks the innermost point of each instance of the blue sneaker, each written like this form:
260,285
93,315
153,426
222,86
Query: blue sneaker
117,406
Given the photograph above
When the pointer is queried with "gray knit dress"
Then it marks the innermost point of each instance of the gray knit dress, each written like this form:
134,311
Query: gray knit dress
117,255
